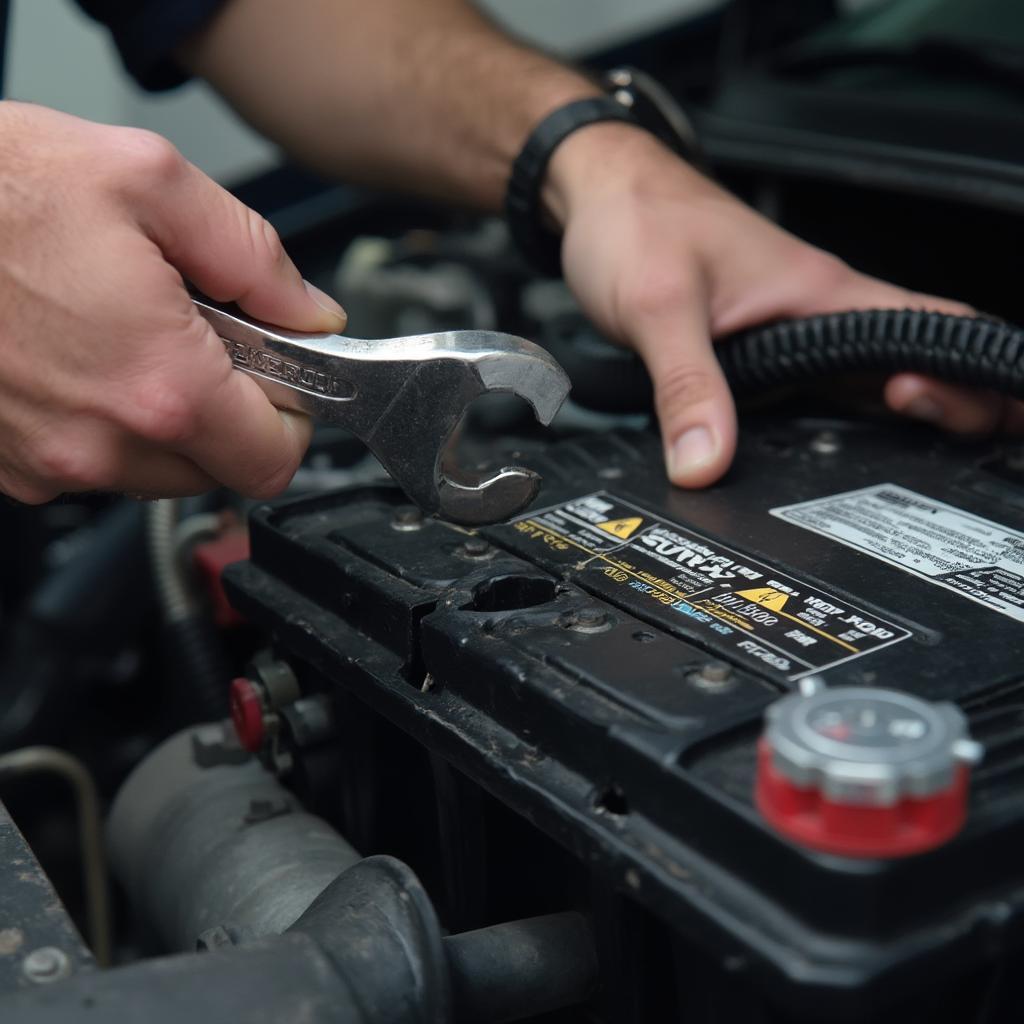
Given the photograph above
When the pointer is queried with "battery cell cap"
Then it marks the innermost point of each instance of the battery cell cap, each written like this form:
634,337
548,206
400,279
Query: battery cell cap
864,772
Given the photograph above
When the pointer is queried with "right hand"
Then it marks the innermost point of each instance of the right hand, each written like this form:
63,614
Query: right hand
109,378
665,261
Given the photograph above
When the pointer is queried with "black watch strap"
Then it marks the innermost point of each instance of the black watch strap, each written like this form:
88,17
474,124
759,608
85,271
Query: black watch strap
522,200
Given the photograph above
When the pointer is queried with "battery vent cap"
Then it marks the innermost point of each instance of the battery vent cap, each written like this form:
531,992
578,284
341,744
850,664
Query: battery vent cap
864,772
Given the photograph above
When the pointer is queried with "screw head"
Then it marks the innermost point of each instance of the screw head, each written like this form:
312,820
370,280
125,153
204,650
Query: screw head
406,519
46,964
826,443
589,620
476,547
713,676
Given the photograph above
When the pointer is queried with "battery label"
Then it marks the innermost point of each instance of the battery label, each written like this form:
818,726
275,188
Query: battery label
663,571
971,556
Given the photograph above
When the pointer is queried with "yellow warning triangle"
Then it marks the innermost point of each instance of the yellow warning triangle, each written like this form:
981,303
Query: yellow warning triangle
766,597
621,528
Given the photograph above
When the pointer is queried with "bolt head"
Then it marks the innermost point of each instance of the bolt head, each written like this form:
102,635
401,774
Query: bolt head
588,620
46,964
476,547
406,519
826,443
713,676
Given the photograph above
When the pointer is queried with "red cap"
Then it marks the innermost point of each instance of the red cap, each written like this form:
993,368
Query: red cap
910,825
247,714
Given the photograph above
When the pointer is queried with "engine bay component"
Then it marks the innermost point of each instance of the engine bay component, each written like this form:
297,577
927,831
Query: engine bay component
594,676
864,772
202,836
404,397
39,943
289,922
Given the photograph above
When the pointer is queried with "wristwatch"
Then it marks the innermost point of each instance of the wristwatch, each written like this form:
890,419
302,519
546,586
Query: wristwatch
631,96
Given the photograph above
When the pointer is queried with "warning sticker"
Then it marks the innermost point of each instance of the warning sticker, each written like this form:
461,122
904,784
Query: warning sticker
656,568
974,557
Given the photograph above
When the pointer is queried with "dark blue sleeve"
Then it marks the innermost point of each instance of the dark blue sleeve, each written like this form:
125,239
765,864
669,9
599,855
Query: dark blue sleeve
147,32
3,42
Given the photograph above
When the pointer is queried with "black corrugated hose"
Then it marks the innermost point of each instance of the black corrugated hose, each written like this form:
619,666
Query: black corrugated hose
963,350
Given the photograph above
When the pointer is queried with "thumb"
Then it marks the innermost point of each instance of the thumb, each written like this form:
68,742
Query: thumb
693,401
230,252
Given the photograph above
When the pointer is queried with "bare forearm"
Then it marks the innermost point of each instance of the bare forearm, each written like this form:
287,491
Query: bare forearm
421,94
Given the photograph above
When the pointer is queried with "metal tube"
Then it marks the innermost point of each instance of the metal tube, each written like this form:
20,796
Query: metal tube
201,835
32,760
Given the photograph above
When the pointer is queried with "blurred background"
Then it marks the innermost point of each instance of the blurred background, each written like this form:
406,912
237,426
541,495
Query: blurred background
58,57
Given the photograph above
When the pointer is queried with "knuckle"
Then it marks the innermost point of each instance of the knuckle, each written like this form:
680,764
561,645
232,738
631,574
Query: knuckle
162,414
71,464
685,385
271,483
266,242
818,272
149,155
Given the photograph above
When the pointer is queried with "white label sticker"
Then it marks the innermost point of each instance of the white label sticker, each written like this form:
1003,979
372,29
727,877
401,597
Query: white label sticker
971,556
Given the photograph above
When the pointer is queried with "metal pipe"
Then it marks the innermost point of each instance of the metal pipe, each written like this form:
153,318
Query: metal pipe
33,760
201,835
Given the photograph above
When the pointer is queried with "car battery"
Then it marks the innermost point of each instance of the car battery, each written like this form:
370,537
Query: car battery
566,711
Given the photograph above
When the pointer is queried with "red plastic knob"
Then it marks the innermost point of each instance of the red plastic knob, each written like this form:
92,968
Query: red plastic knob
864,772
910,825
247,714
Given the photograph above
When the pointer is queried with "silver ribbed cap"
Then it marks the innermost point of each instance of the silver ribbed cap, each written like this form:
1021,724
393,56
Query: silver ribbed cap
866,746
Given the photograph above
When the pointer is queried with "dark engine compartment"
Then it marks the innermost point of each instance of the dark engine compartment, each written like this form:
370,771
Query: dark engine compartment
538,746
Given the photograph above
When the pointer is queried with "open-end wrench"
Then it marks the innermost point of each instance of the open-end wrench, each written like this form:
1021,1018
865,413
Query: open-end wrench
404,398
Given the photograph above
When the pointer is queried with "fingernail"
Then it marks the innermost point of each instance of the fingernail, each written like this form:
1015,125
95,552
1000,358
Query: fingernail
694,448
924,408
325,302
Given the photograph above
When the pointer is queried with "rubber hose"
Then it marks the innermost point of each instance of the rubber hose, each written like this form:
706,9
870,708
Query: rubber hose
198,668
977,351
176,602
194,655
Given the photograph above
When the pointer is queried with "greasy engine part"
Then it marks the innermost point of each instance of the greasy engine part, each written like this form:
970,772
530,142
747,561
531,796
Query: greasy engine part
39,943
369,950
583,690
202,835
292,925
29,761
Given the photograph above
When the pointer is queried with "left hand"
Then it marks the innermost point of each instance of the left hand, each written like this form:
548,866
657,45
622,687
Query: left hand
664,260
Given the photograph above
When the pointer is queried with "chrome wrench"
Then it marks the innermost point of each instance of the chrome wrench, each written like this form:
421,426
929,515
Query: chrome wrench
404,398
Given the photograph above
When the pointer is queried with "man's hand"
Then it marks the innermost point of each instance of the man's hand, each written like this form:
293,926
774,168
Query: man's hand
665,261
434,98
111,380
